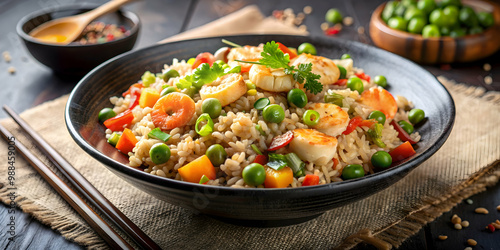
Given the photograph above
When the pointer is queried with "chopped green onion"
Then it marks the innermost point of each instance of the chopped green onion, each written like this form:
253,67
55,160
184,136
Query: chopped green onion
256,149
375,134
191,60
158,134
276,161
261,103
148,78
207,128
311,117
231,43
235,69
204,179
296,164
334,98
261,131
113,139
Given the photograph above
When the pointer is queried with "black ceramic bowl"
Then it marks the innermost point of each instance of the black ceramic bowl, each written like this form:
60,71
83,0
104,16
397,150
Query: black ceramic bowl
75,59
258,207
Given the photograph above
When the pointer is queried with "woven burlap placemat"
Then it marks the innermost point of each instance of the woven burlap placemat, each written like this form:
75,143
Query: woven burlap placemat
466,164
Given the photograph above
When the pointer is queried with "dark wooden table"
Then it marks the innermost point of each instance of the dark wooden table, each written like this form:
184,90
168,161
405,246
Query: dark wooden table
33,84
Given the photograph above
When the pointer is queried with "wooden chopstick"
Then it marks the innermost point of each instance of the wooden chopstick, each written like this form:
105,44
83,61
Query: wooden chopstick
94,220
85,188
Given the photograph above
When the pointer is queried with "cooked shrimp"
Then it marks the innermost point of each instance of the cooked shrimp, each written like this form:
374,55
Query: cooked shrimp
322,66
274,80
172,111
245,53
313,146
226,89
381,100
333,119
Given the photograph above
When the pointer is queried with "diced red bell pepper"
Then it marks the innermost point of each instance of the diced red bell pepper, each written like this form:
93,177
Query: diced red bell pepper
119,122
363,76
341,82
310,180
332,31
135,85
205,57
402,133
353,124
402,152
335,163
286,50
281,141
261,159
367,123
245,67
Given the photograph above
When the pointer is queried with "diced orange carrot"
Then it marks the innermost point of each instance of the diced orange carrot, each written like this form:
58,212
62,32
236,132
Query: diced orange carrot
310,180
286,50
148,98
127,141
402,152
380,99
193,171
278,178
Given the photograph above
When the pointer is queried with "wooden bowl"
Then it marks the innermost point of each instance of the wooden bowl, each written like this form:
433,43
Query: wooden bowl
438,50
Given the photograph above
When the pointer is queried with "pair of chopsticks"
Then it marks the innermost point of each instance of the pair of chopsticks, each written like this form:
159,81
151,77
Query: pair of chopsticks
84,187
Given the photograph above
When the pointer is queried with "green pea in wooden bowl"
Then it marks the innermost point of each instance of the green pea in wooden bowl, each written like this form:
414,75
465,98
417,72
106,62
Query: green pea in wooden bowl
443,49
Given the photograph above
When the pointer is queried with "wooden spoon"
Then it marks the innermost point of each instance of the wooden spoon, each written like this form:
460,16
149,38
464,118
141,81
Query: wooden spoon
64,30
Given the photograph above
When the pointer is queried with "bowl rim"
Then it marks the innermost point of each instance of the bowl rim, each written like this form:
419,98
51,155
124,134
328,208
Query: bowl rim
139,175
125,13
380,24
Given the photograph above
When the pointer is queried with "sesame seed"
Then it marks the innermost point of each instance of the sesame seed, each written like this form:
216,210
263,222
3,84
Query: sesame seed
481,210
487,67
348,21
455,219
308,10
471,242
6,56
442,237
469,201
458,226
488,80
324,26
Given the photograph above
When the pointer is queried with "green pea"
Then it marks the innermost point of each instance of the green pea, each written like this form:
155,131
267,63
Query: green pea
445,31
485,19
189,91
378,116
398,23
254,174
416,25
168,90
171,73
106,113
307,48
381,159
212,107
389,10
437,18
451,15
444,3
381,81
468,17
217,154
250,85
413,13
407,127
458,32
355,84
416,115
297,97
353,171
345,56
343,72
273,113
159,153
431,30
333,16
427,6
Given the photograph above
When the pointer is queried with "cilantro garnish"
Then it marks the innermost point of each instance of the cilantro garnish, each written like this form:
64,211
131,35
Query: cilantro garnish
205,74
273,57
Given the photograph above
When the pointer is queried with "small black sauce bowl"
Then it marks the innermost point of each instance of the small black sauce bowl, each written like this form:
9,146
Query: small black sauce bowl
76,59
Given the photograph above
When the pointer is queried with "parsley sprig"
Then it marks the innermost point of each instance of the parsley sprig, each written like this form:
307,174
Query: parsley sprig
273,57
205,74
